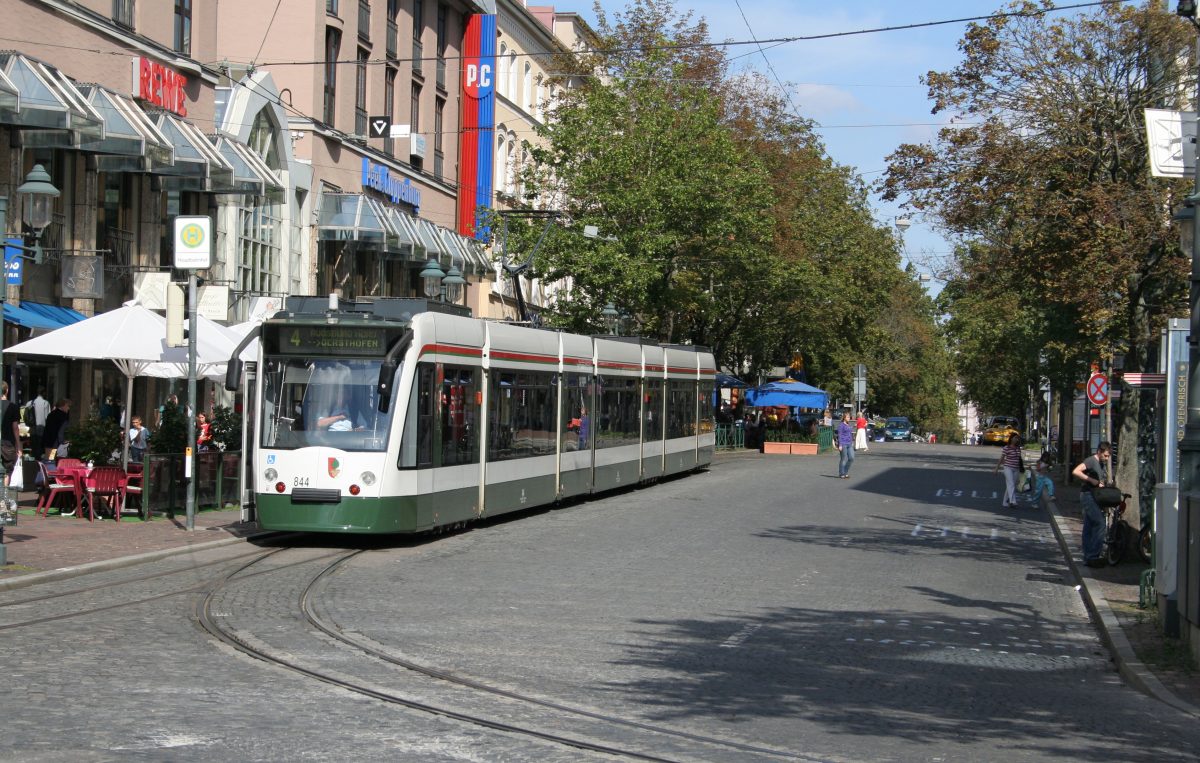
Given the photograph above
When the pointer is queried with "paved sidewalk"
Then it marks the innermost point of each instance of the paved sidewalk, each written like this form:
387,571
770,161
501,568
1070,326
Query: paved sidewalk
1148,660
40,549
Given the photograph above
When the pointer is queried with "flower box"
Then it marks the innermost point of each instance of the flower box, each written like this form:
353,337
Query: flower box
804,449
779,448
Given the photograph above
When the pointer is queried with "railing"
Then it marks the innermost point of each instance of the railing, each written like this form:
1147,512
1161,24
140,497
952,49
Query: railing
331,7
164,490
824,439
440,78
393,39
360,121
417,54
120,243
439,161
730,437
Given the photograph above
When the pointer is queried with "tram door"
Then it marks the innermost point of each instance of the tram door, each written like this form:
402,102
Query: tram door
578,417
246,471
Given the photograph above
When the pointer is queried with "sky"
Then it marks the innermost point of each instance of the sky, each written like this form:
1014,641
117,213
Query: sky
863,91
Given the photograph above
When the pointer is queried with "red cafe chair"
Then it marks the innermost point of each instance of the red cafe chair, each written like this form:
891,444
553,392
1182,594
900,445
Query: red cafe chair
53,485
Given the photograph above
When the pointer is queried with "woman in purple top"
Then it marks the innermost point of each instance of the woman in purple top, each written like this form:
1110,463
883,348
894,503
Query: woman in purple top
1010,459
844,441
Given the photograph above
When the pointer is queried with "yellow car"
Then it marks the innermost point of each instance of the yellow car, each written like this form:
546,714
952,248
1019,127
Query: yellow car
999,429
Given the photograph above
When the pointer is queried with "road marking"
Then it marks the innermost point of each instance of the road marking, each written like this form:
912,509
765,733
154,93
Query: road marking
917,530
736,639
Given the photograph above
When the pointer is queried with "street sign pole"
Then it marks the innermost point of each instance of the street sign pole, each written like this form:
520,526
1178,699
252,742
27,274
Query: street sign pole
193,251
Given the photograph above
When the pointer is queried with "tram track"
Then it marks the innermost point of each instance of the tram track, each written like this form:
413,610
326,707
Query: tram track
540,713
199,587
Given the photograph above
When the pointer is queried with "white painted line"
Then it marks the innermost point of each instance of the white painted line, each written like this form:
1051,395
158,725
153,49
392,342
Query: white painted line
736,639
917,531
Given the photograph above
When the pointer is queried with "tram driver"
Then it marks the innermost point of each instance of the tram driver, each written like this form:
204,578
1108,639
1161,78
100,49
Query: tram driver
339,418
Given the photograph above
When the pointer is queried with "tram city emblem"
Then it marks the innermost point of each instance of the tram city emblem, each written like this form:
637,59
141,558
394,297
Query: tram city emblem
335,467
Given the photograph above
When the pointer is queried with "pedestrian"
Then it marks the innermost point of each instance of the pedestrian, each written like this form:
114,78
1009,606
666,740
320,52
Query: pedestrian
1010,459
844,441
1042,484
41,408
56,425
1093,473
138,440
203,433
860,436
10,436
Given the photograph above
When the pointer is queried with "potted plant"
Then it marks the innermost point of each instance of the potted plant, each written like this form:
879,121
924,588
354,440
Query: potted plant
94,440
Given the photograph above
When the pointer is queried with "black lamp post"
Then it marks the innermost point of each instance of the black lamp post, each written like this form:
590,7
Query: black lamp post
35,213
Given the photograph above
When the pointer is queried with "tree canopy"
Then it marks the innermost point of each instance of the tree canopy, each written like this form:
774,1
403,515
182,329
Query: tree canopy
723,222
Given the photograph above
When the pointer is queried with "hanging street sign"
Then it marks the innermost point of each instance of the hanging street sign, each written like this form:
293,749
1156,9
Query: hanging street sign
1097,389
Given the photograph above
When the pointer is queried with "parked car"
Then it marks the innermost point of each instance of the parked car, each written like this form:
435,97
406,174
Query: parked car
898,428
998,429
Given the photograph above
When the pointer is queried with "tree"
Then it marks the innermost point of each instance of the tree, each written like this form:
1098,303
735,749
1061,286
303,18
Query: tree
1046,179
724,222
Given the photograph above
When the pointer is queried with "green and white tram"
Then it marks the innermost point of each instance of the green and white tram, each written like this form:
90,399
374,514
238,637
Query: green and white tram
401,415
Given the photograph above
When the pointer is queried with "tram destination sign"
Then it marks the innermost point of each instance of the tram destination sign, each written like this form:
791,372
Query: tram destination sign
326,340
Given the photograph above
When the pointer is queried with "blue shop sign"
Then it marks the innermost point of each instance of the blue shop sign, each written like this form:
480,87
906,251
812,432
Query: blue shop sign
380,178
13,261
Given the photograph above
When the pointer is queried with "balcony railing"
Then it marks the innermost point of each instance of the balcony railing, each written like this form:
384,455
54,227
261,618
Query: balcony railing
418,52
393,39
360,121
120,243
331,7
439,161
441,73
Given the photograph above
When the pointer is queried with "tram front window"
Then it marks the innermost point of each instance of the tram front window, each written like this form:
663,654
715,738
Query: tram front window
332,403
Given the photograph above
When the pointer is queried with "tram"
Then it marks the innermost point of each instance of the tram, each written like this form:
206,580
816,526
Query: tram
405,415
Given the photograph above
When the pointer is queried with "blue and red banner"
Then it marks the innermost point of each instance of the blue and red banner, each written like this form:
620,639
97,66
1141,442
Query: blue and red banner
477,145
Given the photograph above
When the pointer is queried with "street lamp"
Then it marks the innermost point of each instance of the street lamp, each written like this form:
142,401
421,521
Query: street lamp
35,213
432,277
610,316
453,284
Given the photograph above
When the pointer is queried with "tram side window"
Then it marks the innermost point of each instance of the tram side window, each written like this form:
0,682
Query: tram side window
460,428
522,413
617,419
707,393
416,449
577,419
653,412
681,409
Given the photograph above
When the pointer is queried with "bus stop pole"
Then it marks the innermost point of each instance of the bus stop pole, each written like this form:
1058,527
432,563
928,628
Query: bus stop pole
189,466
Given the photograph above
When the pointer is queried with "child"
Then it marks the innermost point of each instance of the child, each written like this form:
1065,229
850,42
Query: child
1041,483
138,435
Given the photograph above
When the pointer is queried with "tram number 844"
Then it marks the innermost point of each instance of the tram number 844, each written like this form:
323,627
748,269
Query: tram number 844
300,482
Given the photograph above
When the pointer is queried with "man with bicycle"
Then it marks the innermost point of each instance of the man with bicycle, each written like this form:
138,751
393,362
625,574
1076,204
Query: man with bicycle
1093,473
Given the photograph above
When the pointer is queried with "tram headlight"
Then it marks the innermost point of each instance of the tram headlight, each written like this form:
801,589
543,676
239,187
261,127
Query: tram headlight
270,474
368,478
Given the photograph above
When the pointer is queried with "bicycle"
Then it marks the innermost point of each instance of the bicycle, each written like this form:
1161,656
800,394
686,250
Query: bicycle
1116,531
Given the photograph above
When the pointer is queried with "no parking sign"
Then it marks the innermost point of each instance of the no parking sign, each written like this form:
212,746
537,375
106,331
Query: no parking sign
1097,389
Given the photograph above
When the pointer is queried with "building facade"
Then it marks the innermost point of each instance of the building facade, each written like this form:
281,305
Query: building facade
325,138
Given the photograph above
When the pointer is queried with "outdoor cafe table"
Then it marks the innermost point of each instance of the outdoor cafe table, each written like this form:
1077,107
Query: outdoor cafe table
80,477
